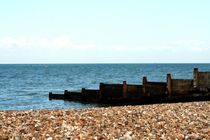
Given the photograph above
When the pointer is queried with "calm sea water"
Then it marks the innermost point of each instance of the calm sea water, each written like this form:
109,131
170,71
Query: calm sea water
24,87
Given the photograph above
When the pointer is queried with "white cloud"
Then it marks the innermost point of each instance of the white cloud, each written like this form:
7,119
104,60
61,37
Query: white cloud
65,41
64,49
10,41
60,41
178,46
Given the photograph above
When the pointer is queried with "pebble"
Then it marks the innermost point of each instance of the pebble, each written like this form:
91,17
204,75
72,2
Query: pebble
50,138
158,121
193,137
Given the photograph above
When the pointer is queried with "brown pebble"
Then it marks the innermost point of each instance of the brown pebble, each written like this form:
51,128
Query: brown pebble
158,121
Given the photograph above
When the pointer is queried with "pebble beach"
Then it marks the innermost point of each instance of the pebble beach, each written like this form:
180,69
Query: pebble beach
158,121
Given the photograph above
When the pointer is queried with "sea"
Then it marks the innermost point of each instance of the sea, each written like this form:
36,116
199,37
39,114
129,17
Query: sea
27,86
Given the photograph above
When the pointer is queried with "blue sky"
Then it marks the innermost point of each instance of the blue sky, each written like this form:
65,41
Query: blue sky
110,31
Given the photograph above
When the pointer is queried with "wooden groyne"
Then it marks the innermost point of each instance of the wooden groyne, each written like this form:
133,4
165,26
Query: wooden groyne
173,90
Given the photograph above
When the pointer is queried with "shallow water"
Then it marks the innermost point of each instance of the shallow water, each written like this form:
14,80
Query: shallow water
24,87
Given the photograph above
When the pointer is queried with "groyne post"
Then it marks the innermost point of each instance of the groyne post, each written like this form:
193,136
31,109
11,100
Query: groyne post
65,91
144,86
169,84
83,93
195,78
67,95
50,95
144,80
101,92
124,89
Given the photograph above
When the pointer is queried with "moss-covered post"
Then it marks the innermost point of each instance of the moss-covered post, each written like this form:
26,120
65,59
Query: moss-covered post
195,78
169,84
124,89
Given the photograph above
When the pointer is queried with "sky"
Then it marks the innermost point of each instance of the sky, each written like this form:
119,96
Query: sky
108,31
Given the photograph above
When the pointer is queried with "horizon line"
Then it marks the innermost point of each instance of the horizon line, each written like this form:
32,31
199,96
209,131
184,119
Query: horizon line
106,63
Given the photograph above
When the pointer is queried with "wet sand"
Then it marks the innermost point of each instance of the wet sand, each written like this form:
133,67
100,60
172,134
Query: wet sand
158,121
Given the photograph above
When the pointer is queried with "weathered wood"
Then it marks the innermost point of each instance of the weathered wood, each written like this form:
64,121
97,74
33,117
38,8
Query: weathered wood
201,80
134,91
124,89
204,81
111,91
152,89
197,88
195,78
56,96
144,87
181,86
91,95
169,84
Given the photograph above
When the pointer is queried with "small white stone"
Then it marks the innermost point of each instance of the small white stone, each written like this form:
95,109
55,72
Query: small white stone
52,117
50,138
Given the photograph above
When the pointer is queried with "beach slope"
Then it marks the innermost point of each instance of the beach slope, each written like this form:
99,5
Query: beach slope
158,121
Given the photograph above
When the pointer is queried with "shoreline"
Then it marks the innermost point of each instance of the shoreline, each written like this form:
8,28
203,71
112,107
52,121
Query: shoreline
157,121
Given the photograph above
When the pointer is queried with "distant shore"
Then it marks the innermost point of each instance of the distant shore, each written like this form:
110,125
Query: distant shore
166,121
